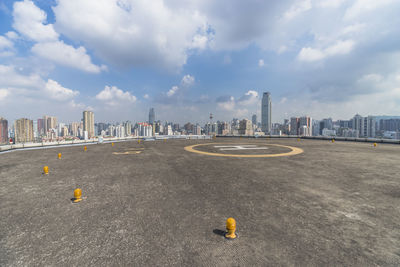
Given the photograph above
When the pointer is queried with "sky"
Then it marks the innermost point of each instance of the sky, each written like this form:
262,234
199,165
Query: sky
187,59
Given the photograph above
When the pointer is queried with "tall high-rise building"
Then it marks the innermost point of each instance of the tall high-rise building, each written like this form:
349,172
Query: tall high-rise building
88,123
152,116
254,119
40,127
23,130
266,112
3,131
49,123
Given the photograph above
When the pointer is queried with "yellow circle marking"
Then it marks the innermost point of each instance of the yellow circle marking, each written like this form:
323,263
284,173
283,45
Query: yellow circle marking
295,151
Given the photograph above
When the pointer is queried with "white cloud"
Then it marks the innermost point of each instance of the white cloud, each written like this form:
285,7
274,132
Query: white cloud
200,41
29,20
12,35
187,80
67,55
361,6
3,94
340,48
282,49
5,43
114,96
261,62
146,96
172,91
10,77
372,77
55,91
330,3
227,105
309,54
354,28
249,98
135,33
297,8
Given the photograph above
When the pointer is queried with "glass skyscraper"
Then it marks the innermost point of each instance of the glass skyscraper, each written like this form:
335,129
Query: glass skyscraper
266,113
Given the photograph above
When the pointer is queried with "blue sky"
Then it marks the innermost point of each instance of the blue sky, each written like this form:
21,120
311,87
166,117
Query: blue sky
331,58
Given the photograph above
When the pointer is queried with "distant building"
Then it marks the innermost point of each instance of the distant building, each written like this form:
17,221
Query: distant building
266,112
245,127
64,131
224,128
350,133
23,130
168,130
128,128
3,131
366,126
73,129
152,116
301,126
254,119
294,126
391,125
145,129
40,127
325,124
196,129
120,131
327,132
88,123
49,123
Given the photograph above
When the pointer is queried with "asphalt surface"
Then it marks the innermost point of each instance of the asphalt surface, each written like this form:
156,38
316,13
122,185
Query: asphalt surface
156,204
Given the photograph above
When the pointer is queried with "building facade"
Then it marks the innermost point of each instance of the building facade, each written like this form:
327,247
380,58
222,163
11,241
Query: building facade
152,116
266,112
23,130
3,131
88,123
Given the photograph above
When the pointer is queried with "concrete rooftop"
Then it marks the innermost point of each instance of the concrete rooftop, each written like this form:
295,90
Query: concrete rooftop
154,204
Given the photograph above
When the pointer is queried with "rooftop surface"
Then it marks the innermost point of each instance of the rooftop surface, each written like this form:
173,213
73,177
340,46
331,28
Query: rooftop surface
155,203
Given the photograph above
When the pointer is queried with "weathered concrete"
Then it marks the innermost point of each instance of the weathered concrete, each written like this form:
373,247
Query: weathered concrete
335,204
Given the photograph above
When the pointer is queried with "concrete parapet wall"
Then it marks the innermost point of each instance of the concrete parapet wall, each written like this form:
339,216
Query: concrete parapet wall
20,146
351,139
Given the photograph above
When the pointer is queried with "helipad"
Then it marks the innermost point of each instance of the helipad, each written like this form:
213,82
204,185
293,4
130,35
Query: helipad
335,204
244,150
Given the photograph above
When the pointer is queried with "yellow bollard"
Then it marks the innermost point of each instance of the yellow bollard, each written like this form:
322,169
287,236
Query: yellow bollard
230,228
59,155
165,140
84,148
375,144
333,140
112,144
46,170
298,139
77,195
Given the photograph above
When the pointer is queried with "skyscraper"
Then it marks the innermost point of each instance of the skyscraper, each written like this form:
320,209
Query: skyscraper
3,131
254,119
88,123
266,112
23,130
152,116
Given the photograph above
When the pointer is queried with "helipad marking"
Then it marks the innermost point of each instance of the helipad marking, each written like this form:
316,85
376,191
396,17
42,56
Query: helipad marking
240,147
295,151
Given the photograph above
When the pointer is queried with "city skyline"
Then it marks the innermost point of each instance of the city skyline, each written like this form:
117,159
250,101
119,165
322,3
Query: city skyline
317,59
